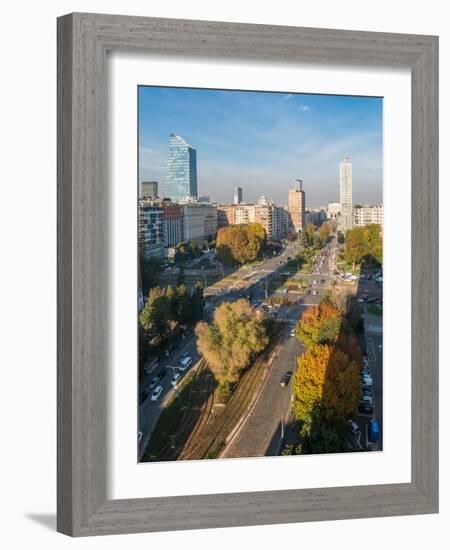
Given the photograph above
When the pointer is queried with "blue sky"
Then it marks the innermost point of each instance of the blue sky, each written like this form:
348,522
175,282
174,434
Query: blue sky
264,141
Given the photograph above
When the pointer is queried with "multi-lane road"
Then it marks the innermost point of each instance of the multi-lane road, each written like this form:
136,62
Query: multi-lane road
260,432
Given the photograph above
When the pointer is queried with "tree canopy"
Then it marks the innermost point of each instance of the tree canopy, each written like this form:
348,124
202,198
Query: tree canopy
364,242
240,244
232,340
319,324
325,385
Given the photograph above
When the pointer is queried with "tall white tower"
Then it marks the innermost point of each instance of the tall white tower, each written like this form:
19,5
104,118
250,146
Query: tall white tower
345,178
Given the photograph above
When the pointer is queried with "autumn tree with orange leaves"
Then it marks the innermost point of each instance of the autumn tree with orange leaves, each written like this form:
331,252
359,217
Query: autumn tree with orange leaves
319,324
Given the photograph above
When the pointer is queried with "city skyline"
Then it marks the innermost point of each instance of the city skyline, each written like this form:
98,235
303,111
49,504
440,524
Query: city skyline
285,137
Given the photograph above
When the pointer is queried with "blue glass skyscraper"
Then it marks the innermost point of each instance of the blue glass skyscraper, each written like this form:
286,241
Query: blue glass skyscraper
181,179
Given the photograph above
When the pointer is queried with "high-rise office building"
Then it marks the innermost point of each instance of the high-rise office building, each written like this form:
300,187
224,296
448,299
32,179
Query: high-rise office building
181,178
149,190
345,179
238,195
296,206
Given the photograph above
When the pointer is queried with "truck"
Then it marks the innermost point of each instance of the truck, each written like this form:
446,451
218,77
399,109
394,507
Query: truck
374,431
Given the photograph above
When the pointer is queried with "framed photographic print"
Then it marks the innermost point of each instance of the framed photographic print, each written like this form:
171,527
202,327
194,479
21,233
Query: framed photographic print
247,274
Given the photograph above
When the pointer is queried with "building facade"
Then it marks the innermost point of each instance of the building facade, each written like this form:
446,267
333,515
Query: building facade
333,210
199,221
346,194
273,219
151,229
181,178
173,224
149,190
367,214
238,195
296,207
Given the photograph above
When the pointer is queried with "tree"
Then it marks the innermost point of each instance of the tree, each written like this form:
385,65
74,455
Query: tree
310,230
150,268
155,315
324,232
309,328
240,244
364,242
232,340
356,246
325,386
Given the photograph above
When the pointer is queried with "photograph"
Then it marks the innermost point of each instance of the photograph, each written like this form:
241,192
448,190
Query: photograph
260,273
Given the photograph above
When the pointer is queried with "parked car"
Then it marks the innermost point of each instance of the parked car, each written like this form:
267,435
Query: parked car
285,378
314,292
143,396
153,382
365,408
374,431
140,436
185,363
175,379
156,393
353,427
367,399
292,332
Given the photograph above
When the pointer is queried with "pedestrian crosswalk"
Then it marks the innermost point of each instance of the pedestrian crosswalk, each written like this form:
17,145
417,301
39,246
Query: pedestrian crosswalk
287,320
374,330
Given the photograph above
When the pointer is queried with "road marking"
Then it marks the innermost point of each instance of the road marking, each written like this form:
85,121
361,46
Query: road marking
374,329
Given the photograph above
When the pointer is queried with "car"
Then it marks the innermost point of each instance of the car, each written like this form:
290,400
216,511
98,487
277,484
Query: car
353,427
367,399
175,379
360,300
156,393
143,396
307,291
140,436
292,332
285,378
314,292
314,282
185,363
322,281
374,431
153,382
365,408
367,392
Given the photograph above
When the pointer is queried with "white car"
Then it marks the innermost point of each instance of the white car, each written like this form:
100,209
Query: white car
185,363
156,394
175,378
314,292
292,332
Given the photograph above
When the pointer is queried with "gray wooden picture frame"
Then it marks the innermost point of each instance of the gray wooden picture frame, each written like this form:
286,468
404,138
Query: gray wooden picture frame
83,42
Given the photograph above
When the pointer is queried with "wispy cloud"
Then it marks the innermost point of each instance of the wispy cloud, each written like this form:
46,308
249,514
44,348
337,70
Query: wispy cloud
263,141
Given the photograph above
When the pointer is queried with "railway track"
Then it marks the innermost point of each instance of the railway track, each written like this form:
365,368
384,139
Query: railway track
210,443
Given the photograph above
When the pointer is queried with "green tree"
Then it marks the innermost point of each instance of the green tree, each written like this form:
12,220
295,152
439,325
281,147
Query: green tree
356,246
324,232
229,344
151,269
310,231
155,315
